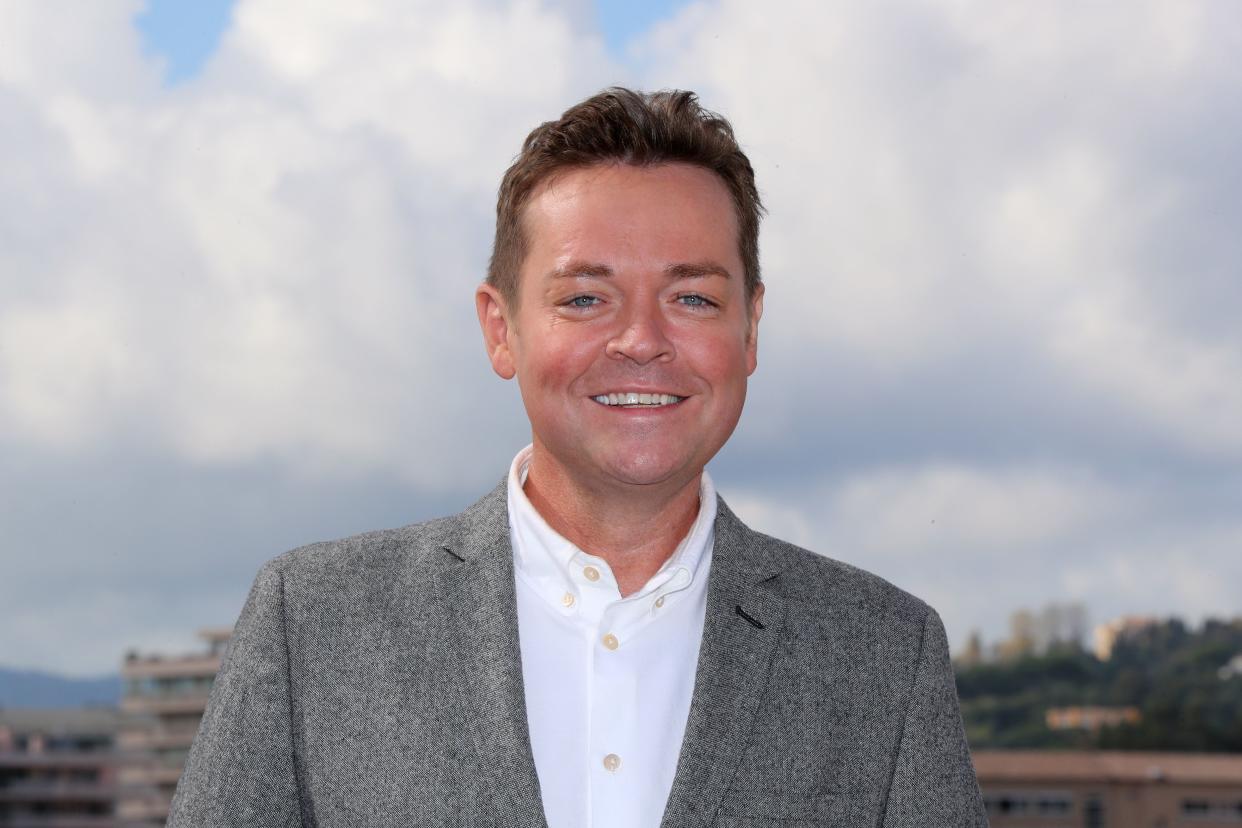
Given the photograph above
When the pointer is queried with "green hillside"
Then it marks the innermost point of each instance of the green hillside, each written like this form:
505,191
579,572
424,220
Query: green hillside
1178,678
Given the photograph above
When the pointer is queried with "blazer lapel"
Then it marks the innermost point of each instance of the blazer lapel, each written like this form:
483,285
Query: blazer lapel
480,608
740,632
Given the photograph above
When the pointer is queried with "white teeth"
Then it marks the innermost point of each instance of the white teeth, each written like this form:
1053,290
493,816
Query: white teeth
635,398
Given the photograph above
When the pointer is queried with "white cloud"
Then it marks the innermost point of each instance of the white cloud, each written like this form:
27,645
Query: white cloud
56,381
968,511
902,517
94,52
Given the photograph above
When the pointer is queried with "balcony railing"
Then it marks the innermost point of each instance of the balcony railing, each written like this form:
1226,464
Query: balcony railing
187,703
32,790
178,667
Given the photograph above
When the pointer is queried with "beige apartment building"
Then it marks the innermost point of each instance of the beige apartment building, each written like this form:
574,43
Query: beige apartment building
57,768
164,700
1095,789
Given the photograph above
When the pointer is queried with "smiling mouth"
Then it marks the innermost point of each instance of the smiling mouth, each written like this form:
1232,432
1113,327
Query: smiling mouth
632,399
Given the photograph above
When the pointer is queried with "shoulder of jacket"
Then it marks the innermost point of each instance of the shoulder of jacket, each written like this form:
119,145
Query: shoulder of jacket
417,544
814,579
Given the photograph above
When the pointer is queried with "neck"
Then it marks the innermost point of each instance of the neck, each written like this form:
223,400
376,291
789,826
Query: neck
634,531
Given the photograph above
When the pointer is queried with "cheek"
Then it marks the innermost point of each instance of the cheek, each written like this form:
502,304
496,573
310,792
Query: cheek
556,361
720,359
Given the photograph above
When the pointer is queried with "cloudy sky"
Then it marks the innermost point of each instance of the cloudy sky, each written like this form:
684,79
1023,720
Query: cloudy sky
1000,363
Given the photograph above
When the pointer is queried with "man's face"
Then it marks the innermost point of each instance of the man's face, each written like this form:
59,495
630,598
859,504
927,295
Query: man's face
632,285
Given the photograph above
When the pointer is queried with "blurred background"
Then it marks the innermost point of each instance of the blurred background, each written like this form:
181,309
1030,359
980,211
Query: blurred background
1000,361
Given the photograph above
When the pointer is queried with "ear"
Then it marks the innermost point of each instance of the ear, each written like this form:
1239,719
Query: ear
494,320
752,330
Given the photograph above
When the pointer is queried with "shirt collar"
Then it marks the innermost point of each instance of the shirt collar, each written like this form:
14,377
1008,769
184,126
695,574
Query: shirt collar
543,555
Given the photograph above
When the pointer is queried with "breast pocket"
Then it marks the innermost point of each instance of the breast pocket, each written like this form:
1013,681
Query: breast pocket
744,809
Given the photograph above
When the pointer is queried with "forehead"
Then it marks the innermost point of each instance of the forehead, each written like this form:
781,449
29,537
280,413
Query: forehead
629,216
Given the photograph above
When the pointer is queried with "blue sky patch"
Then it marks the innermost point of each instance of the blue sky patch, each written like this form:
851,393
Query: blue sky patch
623,20
184,33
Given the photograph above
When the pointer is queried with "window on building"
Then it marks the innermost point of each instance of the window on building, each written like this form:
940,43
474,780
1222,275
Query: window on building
1093,812
1212,810
1030,803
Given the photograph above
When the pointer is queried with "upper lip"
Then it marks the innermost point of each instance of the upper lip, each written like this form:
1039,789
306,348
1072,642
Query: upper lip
638,389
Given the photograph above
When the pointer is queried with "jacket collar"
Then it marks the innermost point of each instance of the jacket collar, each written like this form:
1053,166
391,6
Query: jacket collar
740,632
480,607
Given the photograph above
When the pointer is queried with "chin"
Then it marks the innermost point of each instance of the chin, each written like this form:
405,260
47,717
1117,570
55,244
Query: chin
639,470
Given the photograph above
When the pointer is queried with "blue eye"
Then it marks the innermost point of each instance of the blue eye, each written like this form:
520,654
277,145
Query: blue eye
583,301
694,300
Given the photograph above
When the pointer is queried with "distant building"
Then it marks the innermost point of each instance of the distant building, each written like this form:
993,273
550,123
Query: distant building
1033,633
58,768
165,698
972,653
1104,789
1106,636
1090,718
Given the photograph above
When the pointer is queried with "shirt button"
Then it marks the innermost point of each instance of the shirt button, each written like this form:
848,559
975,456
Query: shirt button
611,642
591,573
567,599
611,762
660,602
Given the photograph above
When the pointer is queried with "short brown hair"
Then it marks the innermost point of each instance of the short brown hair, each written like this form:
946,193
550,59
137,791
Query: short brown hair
623,126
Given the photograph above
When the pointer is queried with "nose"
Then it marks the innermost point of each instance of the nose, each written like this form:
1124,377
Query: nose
642,338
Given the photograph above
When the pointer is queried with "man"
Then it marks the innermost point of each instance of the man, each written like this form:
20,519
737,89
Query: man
599,641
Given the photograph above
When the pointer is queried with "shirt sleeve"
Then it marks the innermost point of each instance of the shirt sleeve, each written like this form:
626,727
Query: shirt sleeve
241,770
933,779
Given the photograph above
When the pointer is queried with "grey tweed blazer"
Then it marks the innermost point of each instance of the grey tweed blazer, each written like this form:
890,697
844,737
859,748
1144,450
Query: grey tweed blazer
376,681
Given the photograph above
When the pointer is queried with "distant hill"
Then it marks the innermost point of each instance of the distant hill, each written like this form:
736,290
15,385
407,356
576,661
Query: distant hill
28,688
1186,686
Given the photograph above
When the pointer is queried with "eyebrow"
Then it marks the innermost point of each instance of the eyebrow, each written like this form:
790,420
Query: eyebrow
696,270
582,270
689,270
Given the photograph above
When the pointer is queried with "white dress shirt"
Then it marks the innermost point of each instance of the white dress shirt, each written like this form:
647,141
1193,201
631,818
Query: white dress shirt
608,679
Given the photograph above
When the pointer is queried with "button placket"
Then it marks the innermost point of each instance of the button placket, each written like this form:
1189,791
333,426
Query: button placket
613,729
